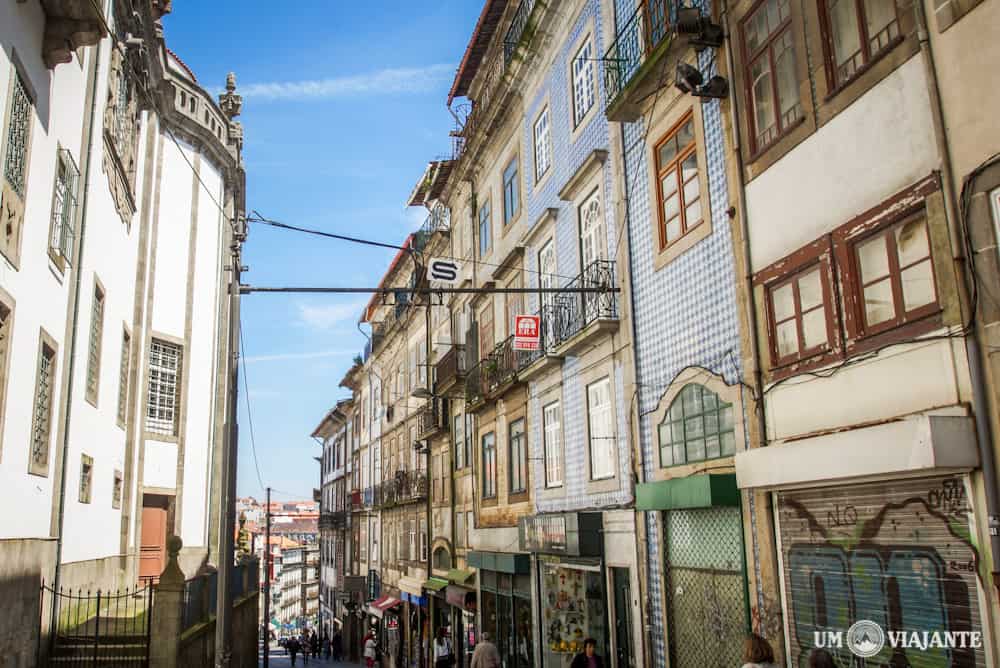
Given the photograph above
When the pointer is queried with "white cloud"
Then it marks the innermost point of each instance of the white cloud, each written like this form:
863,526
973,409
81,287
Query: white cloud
280,357
389,80
328,316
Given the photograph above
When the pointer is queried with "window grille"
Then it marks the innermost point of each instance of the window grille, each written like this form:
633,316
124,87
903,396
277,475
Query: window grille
164,387
18,134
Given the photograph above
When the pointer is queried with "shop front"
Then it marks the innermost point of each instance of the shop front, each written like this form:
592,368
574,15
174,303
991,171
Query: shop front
416,622
464,634
571,582
879,523
505,603
385,622
703,571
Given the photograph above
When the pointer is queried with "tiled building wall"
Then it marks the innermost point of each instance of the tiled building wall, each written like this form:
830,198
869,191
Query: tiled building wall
685,312
568,155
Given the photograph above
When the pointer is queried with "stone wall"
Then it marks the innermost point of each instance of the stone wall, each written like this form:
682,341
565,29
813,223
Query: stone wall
24,564
197,646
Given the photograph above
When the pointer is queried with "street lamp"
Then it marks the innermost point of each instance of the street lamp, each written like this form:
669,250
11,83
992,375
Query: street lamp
422,393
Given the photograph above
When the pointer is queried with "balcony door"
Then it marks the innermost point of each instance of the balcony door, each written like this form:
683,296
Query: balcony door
593,247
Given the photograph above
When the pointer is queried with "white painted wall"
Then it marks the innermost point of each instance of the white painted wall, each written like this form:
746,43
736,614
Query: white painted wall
173,233
202,352
160,465
874,148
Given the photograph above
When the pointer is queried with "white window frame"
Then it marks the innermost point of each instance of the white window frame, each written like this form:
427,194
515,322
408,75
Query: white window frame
600,430
543,144
584,81
162,411
552,444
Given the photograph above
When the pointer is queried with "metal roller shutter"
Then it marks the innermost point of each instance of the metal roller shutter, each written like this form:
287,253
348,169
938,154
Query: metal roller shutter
898,553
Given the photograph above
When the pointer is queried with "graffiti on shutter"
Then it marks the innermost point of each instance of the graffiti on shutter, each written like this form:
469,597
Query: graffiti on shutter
898,553
706,605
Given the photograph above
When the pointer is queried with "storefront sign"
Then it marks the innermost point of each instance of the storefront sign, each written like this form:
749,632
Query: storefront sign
392,624
571,534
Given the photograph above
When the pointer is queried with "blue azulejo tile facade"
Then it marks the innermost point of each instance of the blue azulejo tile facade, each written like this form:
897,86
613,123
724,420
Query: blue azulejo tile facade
571,149
685,312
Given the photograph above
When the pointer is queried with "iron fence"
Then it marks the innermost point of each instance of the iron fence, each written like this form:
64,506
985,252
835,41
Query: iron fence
107,628
515,32
200,592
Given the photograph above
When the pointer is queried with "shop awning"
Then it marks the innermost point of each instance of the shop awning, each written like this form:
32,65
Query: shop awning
460,597
707,490
380,605
460,575
435,584
502,562
411,585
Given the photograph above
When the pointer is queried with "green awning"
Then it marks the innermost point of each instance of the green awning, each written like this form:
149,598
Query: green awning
502,562
460,575
706,490
435,584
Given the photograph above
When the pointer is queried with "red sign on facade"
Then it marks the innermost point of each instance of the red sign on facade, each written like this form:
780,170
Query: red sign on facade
527,329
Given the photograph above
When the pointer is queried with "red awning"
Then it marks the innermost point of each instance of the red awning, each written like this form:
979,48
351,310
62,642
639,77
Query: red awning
386,602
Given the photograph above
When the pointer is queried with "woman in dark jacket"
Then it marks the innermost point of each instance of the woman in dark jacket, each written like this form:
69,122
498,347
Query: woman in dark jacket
589,657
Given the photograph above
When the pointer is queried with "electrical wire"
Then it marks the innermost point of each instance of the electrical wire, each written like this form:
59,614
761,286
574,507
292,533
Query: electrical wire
246,391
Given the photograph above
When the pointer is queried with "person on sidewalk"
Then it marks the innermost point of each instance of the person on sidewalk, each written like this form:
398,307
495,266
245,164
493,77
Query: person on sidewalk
314,644
338,646
369,643
588,658
292,647
486,655
327,650
444,656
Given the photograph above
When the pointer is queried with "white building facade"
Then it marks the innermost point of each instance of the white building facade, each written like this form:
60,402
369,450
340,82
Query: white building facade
121,181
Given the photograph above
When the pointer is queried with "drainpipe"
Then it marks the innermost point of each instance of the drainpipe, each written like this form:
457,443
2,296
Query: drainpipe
754,333
980,401
71,364
640,525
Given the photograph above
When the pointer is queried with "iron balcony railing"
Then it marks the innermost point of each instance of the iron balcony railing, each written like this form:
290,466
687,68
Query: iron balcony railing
516,30
497,371
451,367
569,313
432,418
493,78
336,519
642,33
404,487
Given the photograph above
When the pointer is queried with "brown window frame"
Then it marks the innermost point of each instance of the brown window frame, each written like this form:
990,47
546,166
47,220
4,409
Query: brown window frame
868,57
674,166
821,263
749,58
487,326
858,325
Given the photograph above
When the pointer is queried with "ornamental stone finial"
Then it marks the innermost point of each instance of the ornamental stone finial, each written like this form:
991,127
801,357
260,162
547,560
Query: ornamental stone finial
230,102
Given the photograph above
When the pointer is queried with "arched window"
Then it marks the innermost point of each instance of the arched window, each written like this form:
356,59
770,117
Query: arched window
697,426
442,559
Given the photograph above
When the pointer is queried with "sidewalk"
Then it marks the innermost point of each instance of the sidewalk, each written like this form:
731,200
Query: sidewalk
279,659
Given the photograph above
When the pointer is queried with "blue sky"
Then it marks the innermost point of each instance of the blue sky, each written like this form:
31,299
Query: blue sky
344,104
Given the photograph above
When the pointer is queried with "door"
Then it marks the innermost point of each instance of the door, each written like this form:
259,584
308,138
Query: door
898,553
622,585
593,247
153,546
706,589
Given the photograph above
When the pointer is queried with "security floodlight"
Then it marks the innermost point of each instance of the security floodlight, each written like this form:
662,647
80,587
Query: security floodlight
717,87
688,78
703,32
421,393
688,20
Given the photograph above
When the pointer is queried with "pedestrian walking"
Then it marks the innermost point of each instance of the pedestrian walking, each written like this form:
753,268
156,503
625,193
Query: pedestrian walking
588,658
369,643
444,655
292,646
304,644
757,652
338,646
326,647
486,655
314,645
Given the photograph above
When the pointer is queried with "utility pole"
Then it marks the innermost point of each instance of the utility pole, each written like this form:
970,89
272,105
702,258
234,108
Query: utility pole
267,581
224,602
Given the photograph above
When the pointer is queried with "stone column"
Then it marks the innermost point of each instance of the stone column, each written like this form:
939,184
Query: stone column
168,608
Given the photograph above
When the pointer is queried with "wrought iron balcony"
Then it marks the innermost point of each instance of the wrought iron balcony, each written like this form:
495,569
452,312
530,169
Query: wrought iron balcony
432,418
492,87
450,369
630,71
336,519
516,30
497,372
569,314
